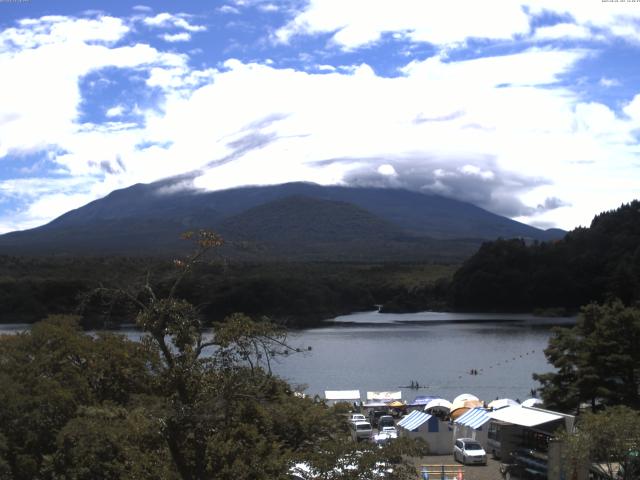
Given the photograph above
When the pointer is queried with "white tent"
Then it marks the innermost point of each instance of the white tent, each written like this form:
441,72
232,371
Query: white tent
464,397
532,402
384,396
342,395
438,402
472,425
501,403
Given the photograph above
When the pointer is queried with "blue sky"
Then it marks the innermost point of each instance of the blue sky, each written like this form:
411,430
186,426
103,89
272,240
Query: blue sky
530,109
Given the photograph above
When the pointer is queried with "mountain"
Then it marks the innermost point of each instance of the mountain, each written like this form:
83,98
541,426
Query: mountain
293,221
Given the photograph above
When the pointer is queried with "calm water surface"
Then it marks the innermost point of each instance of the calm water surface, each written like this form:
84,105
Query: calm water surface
372,351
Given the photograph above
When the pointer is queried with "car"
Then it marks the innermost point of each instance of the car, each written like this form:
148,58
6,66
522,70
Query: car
390,431
469,451
357,417
361,430
385,421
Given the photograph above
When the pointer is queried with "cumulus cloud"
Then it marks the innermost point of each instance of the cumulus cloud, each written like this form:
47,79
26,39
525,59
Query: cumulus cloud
168,20
176,37
503,131
359,23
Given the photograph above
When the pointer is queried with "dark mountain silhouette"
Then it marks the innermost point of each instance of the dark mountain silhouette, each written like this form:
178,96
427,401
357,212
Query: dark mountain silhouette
293,221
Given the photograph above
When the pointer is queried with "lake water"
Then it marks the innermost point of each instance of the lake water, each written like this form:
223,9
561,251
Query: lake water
373,351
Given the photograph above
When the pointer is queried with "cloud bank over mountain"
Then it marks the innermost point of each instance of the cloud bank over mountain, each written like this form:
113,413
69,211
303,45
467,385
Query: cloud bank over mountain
528,109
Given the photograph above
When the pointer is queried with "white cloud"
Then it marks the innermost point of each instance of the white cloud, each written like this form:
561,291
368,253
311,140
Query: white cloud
563,31
168,20
358,23
115,111
176,37
609,82
498,131
229,9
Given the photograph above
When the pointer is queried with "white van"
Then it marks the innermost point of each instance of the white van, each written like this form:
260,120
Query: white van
361,430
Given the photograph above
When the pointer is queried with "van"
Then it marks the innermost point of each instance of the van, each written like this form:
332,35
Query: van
361,430
385,421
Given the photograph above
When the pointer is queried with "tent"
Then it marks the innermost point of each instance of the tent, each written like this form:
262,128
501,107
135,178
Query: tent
472,425
384,396
501,403
436,432
342,396
532,402
462,406
422,400
465,396
438,403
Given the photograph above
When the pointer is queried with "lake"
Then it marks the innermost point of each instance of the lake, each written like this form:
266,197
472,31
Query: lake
372,351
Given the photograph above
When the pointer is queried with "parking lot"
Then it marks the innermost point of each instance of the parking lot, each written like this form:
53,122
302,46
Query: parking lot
471,472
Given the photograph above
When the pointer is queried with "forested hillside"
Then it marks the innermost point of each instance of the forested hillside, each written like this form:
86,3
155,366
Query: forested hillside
293,293
588,265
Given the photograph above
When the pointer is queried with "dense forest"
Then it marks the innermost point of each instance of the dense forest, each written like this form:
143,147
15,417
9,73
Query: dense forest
295,294
590,264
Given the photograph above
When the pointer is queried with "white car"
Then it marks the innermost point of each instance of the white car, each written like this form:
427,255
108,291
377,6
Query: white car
391,432
469,451
357,417
361,430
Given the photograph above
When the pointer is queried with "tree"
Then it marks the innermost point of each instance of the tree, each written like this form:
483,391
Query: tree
610,439
221,409
597,361
182,403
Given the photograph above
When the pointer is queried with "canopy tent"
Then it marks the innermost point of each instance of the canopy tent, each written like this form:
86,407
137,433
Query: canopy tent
438,402
532,402
501,403
384,396
473,418
396,404
464,396
413,420
462,406
524,416
342,395
421,400
375,404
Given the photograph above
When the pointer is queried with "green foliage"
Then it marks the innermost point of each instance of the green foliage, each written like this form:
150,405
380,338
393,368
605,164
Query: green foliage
610,439
589,264
295,294
48,374
597,361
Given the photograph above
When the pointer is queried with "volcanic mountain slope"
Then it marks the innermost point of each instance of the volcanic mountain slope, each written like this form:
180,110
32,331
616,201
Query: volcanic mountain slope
294,221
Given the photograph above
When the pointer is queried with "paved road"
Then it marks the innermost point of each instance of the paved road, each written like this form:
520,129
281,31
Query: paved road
471,472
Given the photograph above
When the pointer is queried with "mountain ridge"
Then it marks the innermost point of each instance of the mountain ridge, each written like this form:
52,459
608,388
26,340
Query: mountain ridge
148,219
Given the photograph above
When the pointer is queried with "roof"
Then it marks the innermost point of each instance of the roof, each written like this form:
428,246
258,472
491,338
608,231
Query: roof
474,418
524,416
413,420
384,395
422,400
342,394
438,402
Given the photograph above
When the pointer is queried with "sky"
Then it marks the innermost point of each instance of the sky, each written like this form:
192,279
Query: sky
527,108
